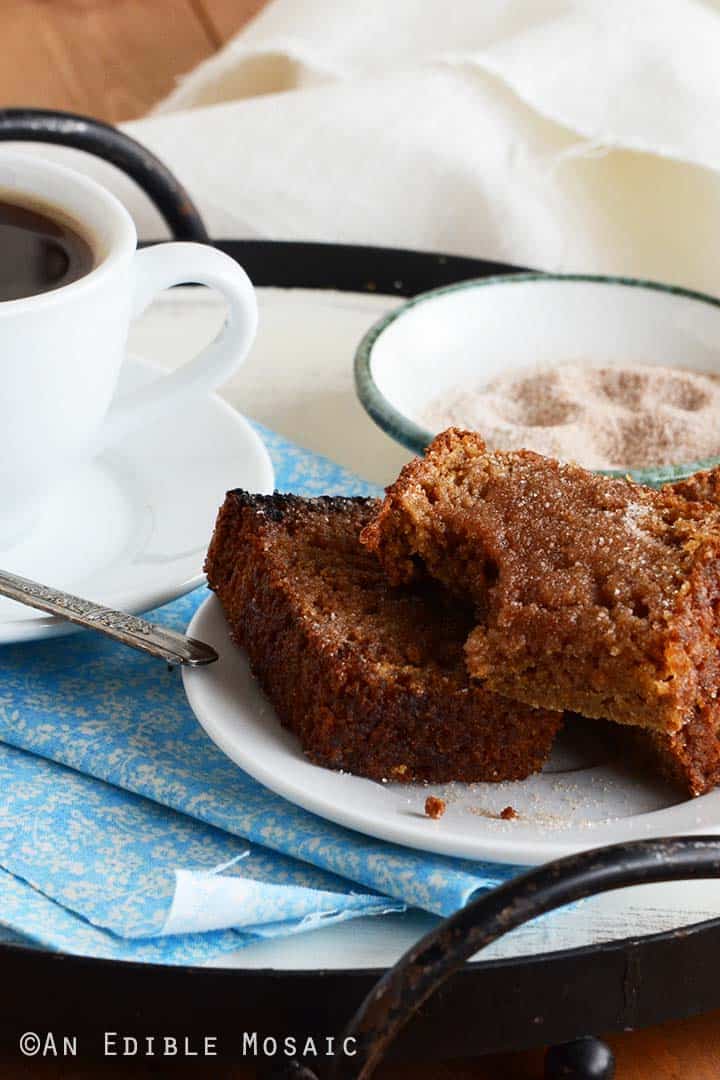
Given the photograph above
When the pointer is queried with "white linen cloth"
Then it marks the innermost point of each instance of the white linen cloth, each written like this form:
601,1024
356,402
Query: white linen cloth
564,134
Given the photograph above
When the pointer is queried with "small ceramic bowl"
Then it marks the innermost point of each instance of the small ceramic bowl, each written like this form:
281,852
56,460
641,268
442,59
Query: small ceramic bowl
466,334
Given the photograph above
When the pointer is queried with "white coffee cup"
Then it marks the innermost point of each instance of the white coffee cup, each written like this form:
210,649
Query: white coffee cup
61,351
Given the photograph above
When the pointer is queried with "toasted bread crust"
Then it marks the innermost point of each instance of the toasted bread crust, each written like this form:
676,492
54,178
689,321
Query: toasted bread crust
700,487
370,678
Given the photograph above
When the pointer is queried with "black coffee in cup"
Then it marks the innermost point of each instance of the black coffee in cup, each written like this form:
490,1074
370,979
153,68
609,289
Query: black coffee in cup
39,251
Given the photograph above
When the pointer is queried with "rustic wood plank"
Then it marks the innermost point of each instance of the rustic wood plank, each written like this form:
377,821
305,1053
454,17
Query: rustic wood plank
226,17
679,1050
110,58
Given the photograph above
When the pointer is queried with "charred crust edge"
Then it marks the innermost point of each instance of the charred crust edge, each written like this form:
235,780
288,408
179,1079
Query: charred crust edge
277,506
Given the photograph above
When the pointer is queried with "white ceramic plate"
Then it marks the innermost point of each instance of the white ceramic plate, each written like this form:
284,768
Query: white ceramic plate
583,799
131,528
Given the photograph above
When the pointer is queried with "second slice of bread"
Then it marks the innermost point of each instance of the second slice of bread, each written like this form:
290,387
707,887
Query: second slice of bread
371,678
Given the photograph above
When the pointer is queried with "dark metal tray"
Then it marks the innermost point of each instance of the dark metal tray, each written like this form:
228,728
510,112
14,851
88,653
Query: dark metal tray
485,1007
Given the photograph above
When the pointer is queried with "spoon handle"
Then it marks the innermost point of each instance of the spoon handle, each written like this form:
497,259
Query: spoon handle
129,629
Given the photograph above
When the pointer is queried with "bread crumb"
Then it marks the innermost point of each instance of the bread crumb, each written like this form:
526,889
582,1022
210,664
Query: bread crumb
434,807
509,813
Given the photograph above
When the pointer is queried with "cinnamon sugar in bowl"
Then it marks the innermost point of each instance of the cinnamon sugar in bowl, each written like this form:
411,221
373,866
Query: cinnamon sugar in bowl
629,416
617,374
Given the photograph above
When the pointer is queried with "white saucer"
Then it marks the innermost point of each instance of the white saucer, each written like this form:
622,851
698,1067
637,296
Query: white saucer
583,799
131,528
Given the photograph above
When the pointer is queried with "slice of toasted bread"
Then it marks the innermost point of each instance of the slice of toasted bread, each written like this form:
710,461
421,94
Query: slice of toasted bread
371,678
592,594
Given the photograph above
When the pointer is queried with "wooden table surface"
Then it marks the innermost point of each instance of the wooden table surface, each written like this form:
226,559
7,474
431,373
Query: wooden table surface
114,59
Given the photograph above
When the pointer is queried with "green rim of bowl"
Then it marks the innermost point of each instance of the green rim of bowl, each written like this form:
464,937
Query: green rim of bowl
406,432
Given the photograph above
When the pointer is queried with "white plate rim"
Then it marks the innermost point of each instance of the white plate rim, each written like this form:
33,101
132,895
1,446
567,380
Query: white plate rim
513,843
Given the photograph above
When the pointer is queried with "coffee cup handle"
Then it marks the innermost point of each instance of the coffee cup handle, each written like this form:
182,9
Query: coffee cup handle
159,268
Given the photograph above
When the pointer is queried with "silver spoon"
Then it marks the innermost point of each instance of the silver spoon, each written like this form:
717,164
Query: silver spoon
129,629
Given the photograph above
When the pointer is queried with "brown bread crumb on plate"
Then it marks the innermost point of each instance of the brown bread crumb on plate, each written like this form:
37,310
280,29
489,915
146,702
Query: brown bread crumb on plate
434,807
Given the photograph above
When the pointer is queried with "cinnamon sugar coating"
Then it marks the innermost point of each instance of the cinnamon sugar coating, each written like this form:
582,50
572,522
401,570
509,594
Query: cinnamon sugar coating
591,594
700,487
372,679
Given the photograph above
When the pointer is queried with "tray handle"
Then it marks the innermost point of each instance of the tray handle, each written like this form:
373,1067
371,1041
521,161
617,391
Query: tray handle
432,960
131,157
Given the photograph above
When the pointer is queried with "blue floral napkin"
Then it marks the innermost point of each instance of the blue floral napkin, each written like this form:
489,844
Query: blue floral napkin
124,831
